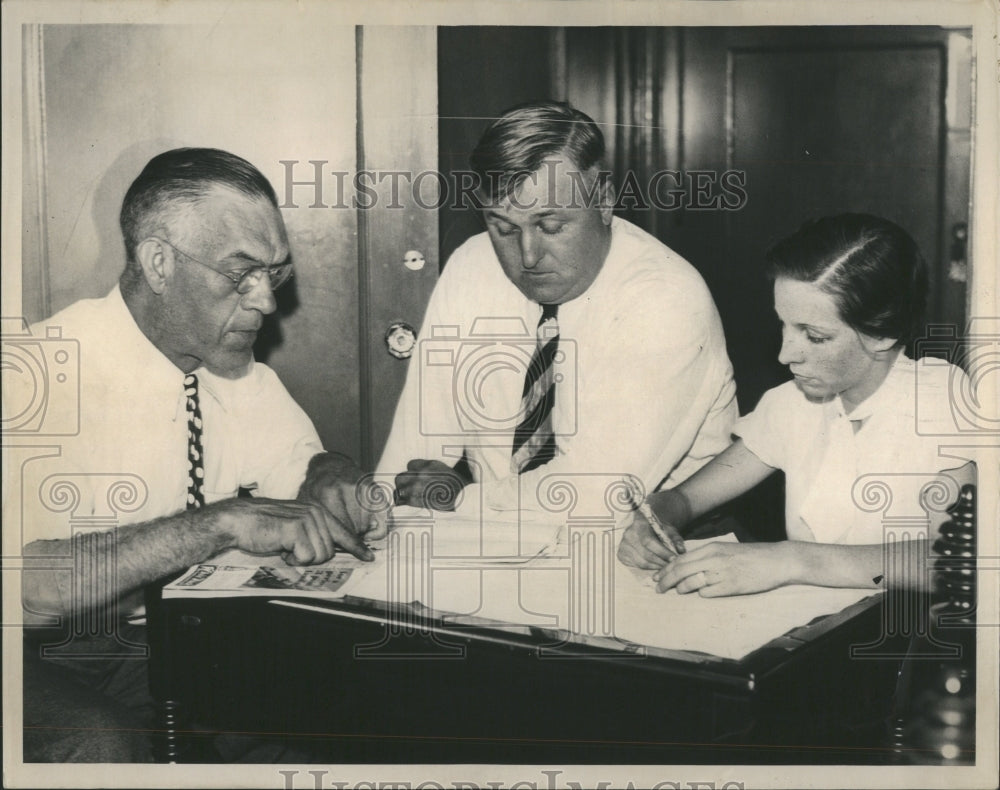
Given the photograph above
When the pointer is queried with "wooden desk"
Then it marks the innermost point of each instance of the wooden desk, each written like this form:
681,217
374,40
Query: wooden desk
361,681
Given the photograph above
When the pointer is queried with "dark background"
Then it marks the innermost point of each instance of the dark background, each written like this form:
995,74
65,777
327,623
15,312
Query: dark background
822,120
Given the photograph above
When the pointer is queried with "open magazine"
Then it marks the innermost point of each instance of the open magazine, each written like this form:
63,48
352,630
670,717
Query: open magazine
457,539
236,573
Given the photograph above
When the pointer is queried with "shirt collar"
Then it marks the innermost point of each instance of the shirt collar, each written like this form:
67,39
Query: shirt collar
605,271
134,348
889,395
135,351
225,391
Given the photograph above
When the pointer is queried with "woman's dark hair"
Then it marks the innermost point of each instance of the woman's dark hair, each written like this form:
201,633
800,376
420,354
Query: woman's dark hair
523,137
870,266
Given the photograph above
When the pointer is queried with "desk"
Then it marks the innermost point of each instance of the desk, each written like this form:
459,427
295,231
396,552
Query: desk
360,681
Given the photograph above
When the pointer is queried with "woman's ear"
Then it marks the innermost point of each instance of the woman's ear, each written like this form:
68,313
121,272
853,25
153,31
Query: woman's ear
877,345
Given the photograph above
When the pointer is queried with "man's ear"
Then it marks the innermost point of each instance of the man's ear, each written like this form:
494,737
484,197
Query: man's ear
607,196
151,255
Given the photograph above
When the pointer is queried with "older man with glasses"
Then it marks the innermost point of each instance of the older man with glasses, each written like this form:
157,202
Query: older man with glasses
175,417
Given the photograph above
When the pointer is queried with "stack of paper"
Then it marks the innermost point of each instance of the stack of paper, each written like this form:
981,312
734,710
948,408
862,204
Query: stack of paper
528,573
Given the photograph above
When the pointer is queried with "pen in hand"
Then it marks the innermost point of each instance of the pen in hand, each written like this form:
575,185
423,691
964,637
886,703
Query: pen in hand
658,529
639,503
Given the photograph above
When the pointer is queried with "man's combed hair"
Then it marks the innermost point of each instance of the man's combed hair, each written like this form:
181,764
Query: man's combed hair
870,266
523,137
181,177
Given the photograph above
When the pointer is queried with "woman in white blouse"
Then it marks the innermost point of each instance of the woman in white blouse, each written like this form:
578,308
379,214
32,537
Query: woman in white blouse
858,418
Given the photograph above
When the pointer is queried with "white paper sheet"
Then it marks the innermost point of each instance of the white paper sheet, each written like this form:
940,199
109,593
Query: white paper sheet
577,584
529,573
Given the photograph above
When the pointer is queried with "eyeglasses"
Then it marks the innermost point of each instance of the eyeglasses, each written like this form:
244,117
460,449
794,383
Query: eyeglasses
245,280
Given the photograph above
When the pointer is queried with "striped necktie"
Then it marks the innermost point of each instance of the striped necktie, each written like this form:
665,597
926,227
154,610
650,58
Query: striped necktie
196,461
534,442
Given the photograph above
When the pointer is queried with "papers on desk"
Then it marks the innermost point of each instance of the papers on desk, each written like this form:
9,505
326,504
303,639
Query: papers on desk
496,537
728,627
526,574
575,584
445,538
235,573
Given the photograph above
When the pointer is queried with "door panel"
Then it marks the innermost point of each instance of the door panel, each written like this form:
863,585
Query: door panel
821,132
101,100
821,120
115,95
400,135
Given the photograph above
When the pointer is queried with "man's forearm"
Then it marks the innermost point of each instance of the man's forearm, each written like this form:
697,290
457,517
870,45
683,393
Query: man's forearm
92,569
327,468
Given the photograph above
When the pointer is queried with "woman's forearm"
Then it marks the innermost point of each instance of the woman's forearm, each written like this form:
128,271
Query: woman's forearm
733,472
903,564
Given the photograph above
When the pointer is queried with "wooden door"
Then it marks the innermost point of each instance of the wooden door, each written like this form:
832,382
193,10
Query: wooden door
821,121
303,102
813,120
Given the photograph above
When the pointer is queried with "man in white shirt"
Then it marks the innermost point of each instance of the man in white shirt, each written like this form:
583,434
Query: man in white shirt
642,385
174,417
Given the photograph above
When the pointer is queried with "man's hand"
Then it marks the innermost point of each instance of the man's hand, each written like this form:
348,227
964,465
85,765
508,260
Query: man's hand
641,548
429,484
721,568
304,533
339,484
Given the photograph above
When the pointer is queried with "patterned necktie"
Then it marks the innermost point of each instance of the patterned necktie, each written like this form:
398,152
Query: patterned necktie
534,442
196,463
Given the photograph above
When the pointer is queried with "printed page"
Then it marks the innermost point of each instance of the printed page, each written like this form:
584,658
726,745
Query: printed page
236,573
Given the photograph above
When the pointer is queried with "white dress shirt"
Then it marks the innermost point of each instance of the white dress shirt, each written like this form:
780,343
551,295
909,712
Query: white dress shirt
122,403
850,477
644,385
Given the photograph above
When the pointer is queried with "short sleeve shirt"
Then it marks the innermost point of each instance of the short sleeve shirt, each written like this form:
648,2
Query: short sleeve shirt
106,444
849,476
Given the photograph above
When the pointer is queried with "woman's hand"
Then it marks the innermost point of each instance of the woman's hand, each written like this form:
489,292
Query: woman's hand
719,569
641,548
